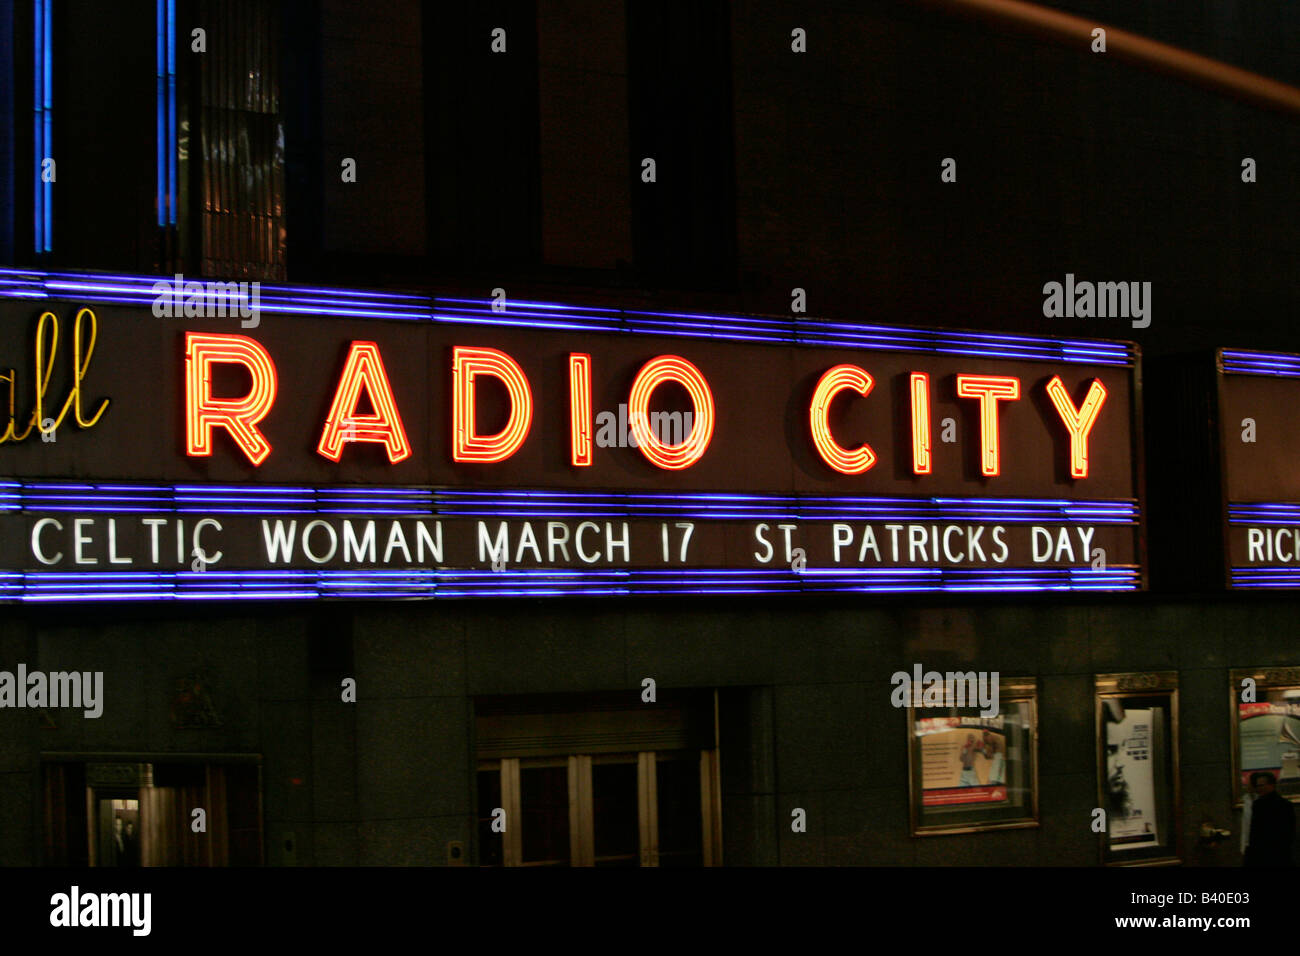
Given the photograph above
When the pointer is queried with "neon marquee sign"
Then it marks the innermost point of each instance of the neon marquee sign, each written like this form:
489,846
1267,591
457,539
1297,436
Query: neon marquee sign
1257,393
369,444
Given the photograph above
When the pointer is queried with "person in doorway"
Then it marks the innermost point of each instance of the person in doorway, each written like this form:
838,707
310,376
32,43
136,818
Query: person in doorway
131,844
119,843
1272,824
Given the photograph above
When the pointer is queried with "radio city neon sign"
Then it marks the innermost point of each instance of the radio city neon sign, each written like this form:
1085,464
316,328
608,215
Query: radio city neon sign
363,371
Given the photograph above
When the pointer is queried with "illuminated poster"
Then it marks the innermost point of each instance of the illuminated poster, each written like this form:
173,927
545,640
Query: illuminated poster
1136,817
963,760
1268,735
1130,778
974,772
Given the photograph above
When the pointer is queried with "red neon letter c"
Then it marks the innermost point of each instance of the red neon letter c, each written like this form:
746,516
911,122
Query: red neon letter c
836,380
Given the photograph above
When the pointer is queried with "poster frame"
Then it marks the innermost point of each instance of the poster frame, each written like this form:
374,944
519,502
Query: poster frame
1010,690
1265,678
1160,687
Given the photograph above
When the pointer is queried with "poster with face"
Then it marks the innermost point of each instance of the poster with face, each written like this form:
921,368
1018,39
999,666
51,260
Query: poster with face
1131,736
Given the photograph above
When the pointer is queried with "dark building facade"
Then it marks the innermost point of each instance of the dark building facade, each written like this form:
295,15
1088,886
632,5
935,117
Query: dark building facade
732,171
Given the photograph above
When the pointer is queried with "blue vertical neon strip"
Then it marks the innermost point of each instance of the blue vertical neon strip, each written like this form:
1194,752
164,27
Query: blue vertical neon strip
165,106
171,112
47,115
10,126
38,128
160,112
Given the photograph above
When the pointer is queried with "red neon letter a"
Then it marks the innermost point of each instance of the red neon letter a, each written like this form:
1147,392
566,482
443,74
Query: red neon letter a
364,369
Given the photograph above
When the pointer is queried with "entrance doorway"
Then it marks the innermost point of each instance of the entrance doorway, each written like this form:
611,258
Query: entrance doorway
119,830
120,811
590,781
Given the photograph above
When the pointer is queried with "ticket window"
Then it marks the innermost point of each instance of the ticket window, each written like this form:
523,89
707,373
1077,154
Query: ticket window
620,807
630,809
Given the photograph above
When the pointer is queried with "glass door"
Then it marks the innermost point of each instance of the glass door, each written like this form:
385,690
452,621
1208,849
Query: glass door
622,809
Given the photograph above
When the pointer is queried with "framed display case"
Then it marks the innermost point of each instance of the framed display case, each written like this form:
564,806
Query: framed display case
969,772
1265,703
1137,768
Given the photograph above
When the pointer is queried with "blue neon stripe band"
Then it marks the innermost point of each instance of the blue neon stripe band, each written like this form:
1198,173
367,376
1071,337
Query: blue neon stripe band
352,303
253,585
112,497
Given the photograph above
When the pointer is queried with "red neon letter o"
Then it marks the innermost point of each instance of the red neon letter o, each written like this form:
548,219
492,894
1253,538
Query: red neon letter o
671,368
